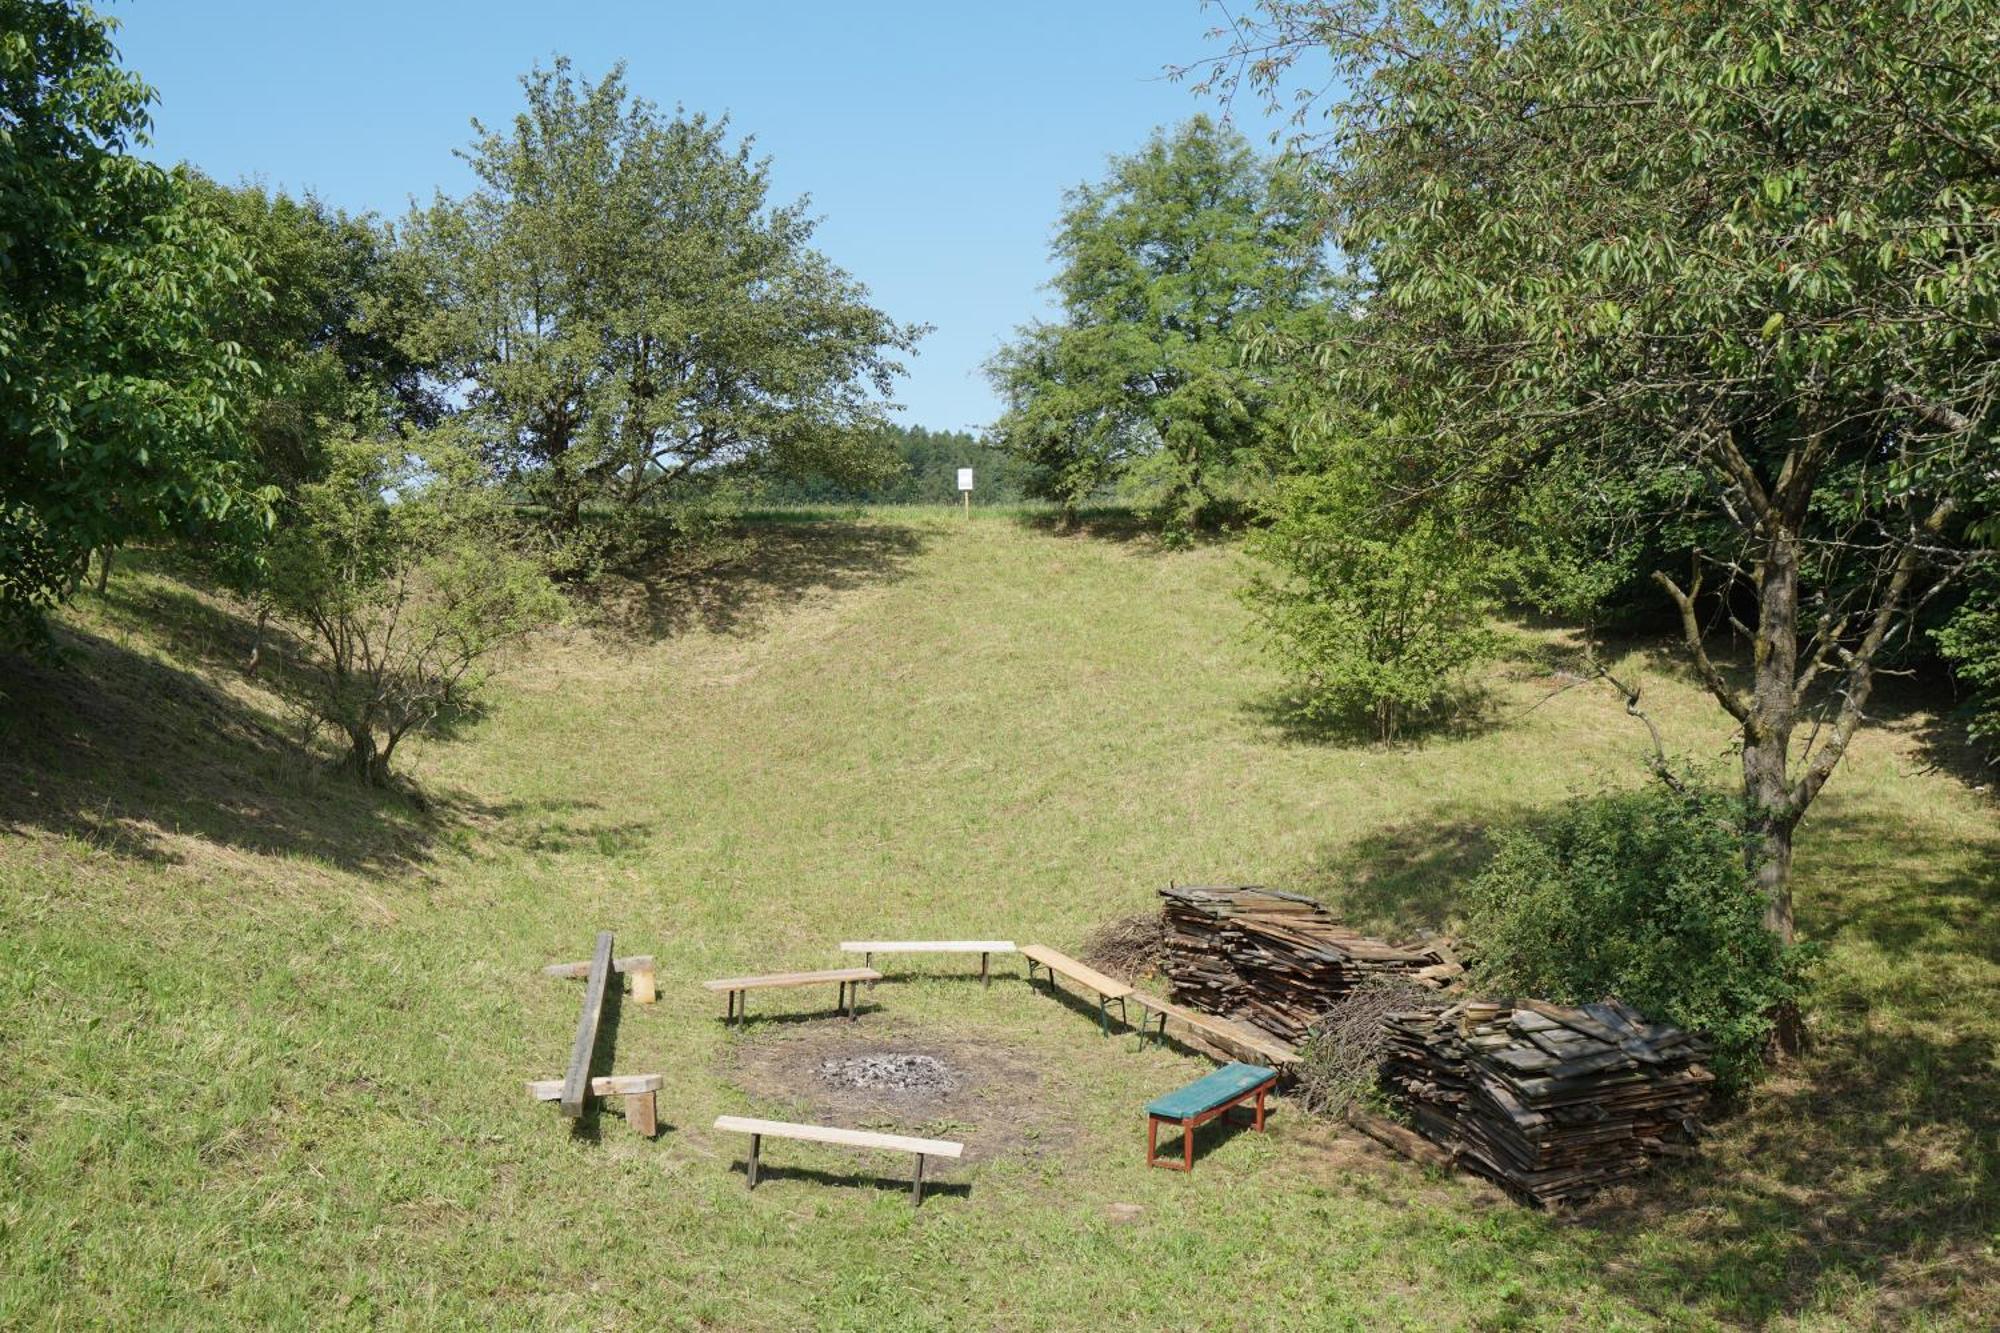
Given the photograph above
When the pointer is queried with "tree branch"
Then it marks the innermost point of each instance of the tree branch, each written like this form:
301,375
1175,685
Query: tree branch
1732,703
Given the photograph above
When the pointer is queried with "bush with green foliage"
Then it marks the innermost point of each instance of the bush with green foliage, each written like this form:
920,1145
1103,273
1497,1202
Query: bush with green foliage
392,570
1970,640
1374,609
1643,896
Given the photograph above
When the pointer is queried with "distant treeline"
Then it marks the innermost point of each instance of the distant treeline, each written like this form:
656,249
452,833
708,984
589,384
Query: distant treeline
928,475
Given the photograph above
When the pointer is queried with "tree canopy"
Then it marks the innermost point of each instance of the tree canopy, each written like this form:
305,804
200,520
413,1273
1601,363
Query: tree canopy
1186,252
120,408
1721,269
628,311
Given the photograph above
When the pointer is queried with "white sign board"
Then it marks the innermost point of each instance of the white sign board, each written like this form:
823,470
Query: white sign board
965,479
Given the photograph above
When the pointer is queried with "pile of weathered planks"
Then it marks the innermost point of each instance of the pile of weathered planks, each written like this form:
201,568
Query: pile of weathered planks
1553,1103
1275,959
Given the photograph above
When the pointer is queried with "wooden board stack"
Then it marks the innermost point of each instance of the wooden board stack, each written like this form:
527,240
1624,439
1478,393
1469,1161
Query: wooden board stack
1552,1103
1275,959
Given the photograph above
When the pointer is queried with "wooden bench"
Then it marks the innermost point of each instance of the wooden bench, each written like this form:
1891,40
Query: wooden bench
639,967
1061,964
738,988
984,948
640,1091
1229,1035
574,1089
850,1138
1201,1101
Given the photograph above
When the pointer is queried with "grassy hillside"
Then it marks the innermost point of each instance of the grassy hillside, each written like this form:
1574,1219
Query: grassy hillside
262,1036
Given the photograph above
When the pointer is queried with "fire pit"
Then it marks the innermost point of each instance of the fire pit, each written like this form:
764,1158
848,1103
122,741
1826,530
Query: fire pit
890,1072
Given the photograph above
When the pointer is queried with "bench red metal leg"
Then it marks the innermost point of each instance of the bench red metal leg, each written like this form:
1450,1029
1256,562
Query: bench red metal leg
1152,1139
1187,1145
1260,1110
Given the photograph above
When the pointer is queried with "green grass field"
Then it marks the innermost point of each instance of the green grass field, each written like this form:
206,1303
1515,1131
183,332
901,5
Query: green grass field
262,1035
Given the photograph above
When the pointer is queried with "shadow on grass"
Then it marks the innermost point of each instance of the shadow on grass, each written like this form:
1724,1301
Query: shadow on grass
762,567
746,1022
956,1189
1209,1138
120,749
1464,714
1874,1159
1115,1021
1403,877
1118,523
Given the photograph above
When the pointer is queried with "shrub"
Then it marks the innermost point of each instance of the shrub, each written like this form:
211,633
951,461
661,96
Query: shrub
1643,896
1376,608
390,570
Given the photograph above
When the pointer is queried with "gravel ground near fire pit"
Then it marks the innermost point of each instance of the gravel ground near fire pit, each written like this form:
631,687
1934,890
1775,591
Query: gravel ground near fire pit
984,1094
889,1071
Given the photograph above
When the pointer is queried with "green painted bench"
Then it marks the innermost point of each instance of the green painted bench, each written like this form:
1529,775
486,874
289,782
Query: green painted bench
1201,1101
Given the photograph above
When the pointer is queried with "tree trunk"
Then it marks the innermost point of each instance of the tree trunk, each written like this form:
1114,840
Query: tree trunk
1767,733
257,641
364,760
1767,753
103,569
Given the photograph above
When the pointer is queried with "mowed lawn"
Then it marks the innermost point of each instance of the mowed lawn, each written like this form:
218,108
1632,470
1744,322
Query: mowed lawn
262,1036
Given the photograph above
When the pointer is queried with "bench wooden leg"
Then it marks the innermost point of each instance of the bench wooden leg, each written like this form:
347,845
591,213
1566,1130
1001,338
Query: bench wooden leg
645,989
750,1171
985,977
642,1110
868,960
917,1185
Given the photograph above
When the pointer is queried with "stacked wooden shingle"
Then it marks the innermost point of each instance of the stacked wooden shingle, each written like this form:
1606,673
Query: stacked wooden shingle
1551,1102
1275,959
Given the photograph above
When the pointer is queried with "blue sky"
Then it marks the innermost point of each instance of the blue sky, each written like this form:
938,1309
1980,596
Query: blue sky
936,138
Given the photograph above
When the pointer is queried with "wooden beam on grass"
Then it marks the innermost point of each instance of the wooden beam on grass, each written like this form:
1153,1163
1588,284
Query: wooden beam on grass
638,966
576,1084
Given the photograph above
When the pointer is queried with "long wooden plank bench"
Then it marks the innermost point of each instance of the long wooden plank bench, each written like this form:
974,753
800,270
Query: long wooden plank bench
1231,1036
1201,1101
758,1130
984,948
640,1091
1061,964
849,980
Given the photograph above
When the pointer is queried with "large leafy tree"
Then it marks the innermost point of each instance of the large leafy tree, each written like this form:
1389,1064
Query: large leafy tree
331,337
630,313
119,404
1171,268
1729,270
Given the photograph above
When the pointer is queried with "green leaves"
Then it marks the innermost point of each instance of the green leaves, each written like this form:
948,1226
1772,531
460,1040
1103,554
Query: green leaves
1376,604
123,410
633,316
1173,268
1639,896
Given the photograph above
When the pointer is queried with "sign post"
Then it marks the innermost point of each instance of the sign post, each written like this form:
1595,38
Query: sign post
965,488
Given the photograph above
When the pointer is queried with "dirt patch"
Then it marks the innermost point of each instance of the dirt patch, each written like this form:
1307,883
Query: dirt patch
981,1093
